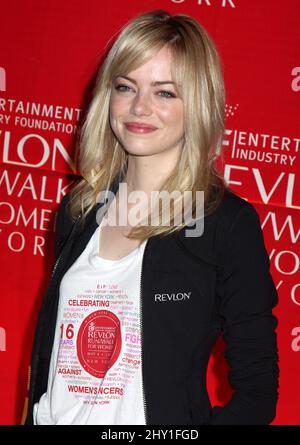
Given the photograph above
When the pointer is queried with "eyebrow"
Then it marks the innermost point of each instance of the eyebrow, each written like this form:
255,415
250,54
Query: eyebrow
158,82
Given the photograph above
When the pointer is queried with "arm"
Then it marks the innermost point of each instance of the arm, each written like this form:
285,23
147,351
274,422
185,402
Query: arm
246,294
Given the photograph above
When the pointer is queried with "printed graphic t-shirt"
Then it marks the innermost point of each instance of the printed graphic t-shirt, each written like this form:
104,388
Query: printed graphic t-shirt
95,369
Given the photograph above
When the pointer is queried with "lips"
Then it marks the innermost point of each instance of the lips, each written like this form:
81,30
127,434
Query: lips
139,128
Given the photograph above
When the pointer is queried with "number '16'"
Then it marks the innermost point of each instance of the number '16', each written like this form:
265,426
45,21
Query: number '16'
69,332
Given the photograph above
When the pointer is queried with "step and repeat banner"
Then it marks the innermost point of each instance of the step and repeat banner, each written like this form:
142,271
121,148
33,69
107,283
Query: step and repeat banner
49,54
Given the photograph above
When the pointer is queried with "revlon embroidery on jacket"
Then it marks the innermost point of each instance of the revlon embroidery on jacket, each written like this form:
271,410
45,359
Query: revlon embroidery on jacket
173,297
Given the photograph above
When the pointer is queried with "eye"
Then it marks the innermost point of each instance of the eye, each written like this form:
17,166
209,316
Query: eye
169,94
166,94
119,88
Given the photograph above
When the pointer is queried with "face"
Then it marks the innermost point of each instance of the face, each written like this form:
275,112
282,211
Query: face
138,100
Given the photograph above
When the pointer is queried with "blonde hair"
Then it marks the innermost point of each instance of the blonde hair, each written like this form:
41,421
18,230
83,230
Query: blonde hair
197,72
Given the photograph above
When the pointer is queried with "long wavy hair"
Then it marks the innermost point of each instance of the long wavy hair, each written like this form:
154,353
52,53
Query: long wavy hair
196,69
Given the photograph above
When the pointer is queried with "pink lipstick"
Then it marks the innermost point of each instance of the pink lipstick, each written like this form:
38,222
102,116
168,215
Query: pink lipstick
139,128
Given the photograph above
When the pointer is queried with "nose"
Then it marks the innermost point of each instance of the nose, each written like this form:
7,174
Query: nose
141,105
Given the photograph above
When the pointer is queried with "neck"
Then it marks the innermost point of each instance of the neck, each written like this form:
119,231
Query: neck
147,173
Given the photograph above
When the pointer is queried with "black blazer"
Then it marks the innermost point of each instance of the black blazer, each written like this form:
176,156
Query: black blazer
225,272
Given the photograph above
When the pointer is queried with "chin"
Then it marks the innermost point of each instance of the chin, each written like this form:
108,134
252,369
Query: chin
139,152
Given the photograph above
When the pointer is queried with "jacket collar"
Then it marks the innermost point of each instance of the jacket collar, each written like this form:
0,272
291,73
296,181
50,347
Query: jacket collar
197,246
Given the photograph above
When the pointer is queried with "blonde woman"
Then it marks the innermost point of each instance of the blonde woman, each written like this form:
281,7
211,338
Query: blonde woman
133,308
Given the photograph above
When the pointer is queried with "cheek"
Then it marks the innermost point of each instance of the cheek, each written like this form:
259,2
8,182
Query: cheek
117,107
172,116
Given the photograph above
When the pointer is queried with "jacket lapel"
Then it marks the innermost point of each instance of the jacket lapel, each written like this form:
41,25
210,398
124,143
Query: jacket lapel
85,231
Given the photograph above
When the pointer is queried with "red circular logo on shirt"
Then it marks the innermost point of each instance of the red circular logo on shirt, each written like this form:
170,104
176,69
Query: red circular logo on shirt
99,342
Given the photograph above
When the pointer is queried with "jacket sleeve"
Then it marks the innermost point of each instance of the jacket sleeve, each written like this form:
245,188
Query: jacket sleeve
246,295
62,225
62,228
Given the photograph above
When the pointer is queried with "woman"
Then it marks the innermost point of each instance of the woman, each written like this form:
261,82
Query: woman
133,310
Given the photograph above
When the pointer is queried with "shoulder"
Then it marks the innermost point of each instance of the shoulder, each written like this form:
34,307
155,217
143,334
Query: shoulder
230,208
63,209
233,218
239,234
64,220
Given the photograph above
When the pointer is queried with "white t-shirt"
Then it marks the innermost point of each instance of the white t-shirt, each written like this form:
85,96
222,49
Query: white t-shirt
95,369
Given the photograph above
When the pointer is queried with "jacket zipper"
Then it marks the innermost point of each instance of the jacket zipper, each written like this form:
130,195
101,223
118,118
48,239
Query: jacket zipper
141,333
60,255
55,265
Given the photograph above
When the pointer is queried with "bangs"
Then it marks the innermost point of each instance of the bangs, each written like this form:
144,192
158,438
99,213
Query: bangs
131,57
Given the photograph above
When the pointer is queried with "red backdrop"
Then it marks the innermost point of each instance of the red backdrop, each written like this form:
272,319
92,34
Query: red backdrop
49,52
